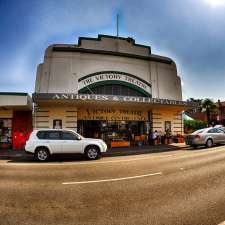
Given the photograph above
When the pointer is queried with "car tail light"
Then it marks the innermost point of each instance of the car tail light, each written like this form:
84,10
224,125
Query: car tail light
197,136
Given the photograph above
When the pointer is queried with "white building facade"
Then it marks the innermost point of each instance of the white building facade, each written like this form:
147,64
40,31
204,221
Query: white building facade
108,87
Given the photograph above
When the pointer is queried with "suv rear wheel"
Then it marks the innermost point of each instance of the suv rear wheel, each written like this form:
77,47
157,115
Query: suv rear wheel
42,154
92,153
209,143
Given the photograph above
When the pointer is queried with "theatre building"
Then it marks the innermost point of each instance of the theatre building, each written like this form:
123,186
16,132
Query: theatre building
108,87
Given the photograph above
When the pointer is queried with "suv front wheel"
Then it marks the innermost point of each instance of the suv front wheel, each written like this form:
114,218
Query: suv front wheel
42,154
92,153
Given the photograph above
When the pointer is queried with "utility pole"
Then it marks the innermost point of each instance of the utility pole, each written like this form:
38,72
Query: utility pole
117,25
117,32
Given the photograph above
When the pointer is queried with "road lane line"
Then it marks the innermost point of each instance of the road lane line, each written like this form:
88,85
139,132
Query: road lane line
223,223
114,179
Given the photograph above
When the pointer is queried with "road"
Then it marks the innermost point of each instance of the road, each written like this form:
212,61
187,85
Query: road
184,187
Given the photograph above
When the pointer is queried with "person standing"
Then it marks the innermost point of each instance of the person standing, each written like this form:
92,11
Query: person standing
154,137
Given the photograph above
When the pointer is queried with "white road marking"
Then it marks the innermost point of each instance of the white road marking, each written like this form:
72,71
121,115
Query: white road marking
223,223
114,179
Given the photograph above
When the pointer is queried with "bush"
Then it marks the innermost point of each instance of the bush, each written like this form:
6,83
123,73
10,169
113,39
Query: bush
193,125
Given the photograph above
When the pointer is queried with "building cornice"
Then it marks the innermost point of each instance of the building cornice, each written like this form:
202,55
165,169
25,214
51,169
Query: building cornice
73,48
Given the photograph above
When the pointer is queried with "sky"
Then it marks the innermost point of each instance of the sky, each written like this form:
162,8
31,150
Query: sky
191,32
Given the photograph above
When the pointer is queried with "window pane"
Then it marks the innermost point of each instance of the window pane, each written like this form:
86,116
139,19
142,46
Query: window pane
41,134
214,130
68,136
115,89
53,135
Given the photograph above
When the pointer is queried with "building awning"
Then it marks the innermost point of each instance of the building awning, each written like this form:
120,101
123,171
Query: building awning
47,99
15,101
186,117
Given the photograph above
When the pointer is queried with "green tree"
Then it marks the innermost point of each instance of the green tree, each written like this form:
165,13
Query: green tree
208,106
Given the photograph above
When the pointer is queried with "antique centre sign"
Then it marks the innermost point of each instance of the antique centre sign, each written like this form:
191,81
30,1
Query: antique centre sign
112,98
120,77
112,114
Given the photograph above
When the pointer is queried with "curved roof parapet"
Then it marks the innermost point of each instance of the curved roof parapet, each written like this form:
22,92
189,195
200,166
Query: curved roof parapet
109,45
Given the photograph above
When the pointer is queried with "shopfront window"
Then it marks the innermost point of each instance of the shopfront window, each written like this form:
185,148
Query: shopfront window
5,131
116,133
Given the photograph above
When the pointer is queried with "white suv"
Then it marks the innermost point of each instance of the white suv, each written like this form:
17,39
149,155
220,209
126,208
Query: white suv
43,143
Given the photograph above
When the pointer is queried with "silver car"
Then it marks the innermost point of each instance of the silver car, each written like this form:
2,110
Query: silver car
207,137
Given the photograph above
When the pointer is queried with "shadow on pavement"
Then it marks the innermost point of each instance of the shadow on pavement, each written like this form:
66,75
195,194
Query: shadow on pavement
60,158
54,158
25,158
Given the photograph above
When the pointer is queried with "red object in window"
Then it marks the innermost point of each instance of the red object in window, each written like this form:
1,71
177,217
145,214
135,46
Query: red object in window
21,128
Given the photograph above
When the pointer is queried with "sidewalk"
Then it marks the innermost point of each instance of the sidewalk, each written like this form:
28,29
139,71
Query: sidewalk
144,149
9,153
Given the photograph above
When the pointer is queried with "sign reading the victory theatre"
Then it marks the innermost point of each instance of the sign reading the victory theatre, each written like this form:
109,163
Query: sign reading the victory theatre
113,76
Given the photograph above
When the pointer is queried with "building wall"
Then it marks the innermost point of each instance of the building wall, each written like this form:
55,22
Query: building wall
21,128
6,113
159,116
61,70
44,116
115,45
15,100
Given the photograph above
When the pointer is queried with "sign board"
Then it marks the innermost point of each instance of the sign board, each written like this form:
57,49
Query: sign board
110,76
112,114
113,98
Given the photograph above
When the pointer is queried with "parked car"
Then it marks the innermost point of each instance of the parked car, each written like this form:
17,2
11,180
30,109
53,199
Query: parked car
207,137
43,143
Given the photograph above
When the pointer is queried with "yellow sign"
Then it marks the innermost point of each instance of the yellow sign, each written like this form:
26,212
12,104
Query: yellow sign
112,114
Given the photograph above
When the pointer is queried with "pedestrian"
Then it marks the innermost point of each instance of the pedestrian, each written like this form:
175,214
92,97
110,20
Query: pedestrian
154,137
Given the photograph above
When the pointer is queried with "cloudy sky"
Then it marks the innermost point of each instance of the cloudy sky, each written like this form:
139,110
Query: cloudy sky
192,32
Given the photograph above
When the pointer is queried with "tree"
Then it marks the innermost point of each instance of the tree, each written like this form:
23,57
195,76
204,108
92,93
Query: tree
208,107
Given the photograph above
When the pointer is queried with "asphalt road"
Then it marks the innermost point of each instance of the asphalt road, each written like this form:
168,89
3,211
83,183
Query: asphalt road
185,187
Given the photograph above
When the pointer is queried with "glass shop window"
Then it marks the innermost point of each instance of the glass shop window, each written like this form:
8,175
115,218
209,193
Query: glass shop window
5,130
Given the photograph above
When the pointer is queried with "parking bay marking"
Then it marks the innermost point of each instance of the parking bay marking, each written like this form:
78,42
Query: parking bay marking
113,179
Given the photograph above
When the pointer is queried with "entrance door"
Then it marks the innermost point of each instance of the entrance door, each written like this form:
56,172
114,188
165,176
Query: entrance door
92,128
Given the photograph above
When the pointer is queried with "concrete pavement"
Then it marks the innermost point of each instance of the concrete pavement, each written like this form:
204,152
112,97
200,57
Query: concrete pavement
177,187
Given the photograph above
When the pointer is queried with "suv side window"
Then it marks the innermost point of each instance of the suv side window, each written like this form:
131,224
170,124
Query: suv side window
53,135
41,134
69,136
